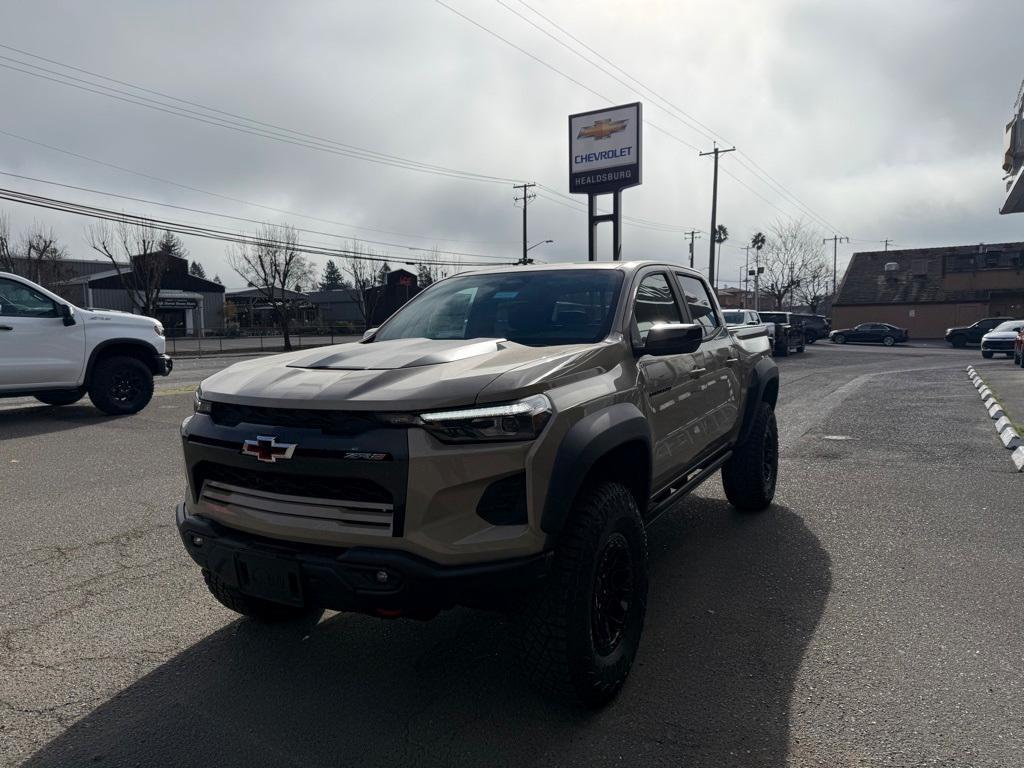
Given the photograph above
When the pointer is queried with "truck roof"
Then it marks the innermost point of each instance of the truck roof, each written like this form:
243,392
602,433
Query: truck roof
625,266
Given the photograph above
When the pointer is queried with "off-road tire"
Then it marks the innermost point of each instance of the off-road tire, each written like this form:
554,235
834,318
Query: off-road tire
987,355
121,385
782,351
261,610
800,348
839,338
61,398
810,337
751,474
959,341
888,340
568,644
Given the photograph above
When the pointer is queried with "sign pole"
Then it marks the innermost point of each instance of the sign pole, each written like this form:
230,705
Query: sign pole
591,226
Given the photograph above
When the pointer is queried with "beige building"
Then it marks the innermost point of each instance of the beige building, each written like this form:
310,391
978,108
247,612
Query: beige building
927,290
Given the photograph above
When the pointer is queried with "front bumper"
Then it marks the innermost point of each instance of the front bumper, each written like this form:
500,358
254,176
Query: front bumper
164,365
380,582
997,345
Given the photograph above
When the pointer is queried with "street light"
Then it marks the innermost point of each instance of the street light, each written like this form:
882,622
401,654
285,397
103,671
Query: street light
530,261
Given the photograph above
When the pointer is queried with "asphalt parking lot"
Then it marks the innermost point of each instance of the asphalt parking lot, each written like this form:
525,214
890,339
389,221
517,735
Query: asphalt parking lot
871,618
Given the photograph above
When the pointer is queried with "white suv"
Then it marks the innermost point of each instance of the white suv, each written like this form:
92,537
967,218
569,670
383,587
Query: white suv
57,353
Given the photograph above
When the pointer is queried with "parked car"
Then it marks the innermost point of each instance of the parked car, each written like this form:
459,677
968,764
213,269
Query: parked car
871,333
736,318
482,448
815,327
57,353
1001,339
789,332
971,334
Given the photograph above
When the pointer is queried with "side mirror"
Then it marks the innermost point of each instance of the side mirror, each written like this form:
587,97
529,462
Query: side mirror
368,333
673,339
67,312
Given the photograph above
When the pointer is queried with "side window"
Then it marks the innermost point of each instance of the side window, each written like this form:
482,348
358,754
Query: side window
702,310
654,304
17,300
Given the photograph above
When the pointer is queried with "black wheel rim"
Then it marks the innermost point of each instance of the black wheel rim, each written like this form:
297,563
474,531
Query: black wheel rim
614,584
125,385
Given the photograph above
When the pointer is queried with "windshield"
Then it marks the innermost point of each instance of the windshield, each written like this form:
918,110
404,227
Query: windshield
1010,325
534,308
734,318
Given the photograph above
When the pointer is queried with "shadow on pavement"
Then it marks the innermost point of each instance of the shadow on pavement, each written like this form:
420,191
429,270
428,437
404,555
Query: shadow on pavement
734,602
38,419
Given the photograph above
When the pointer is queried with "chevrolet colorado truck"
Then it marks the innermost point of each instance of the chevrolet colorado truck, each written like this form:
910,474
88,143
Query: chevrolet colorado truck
504,441
57,353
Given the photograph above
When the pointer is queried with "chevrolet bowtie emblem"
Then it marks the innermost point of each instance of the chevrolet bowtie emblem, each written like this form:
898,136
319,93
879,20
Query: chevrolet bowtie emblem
266,448
602,129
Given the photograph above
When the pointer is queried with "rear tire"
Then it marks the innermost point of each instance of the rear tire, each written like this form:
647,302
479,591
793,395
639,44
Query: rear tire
888,341
959,341
987,355
751,474
579,633
121,385
261,610
811,337
61,398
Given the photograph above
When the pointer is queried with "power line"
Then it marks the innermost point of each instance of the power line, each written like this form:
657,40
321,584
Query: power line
194,230
238,218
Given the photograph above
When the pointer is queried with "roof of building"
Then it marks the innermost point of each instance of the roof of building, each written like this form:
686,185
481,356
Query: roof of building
916,275
258,293
344,295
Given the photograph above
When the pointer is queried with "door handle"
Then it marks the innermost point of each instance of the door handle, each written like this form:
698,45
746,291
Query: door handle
732,360
697,372
6,328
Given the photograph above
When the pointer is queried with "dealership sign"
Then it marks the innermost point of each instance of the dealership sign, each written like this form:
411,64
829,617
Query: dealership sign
604,150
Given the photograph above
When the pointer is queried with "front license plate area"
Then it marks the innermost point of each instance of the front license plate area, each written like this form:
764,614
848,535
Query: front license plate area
269,578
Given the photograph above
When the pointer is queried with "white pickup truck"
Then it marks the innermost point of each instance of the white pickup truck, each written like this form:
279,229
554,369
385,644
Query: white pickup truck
58,353
748,317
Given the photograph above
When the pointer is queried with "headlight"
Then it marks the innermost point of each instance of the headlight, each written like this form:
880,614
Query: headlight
199,405
521,420
159,328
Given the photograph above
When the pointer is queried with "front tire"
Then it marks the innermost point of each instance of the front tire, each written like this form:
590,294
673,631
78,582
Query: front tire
61,398
751,474
987,355
839,338
263,611
579,633
121,386
811,337
889,341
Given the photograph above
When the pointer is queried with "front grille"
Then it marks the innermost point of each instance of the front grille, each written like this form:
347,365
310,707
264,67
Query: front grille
351,489
328,422
1006,345
350,516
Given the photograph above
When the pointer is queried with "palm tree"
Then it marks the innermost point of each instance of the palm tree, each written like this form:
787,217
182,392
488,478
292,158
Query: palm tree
721,235
757,243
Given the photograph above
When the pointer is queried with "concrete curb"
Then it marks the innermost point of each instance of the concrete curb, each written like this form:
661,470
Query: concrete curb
1008,435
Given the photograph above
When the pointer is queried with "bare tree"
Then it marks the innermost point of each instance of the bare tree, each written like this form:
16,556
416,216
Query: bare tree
366,276
132,249
429,272
6,256
270,263
38,255
792,249
815,284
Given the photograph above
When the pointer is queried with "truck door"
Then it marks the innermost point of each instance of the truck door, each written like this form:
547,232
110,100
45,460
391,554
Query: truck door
720,383
669,383
36,348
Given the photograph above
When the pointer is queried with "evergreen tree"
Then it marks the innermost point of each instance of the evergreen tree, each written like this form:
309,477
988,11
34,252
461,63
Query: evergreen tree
171,245
332,278
217,280
196,269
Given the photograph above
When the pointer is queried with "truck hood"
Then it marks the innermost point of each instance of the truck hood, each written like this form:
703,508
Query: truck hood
999,335
398,375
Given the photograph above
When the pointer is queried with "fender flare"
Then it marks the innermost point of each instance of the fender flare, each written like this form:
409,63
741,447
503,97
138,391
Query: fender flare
764,375
592,437
148,350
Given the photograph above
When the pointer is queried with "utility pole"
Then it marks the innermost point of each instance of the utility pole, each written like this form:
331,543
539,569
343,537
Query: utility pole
714,208
746,274
692,234
836,239
526,198
887,241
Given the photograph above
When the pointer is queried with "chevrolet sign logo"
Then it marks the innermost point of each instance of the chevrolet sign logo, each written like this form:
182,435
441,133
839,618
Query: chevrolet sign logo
266,448
602,129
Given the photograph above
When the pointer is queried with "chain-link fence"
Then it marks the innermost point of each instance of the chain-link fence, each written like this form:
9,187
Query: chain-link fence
231,341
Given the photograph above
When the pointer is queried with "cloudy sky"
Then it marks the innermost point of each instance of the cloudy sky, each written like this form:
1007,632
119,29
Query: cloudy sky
873,119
